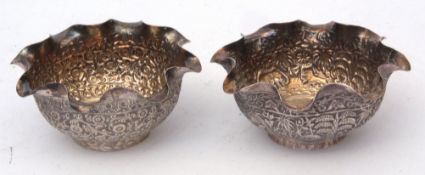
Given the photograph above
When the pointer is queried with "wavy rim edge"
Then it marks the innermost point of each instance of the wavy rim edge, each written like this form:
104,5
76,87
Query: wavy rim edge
223,56
25,57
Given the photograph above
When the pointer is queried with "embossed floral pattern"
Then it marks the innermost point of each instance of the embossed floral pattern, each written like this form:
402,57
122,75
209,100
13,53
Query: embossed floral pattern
106,85
309,85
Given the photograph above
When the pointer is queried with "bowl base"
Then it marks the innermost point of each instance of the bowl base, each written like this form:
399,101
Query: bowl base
110,146
308,145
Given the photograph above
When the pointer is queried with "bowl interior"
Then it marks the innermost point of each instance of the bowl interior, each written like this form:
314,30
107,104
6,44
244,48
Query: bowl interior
91,60
299,59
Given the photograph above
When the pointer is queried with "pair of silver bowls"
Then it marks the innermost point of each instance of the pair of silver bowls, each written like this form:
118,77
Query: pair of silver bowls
109,85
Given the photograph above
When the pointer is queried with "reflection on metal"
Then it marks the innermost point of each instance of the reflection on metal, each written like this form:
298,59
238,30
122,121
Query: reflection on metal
106,85
308,85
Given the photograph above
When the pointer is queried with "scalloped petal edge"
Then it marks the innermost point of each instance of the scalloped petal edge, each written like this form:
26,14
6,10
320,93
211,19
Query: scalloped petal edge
27,56
226,57
328,88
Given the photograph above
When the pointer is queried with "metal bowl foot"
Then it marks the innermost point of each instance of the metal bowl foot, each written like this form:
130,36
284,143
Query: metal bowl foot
110,146
308,145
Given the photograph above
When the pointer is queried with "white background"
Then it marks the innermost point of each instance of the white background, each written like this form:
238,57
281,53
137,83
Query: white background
206,133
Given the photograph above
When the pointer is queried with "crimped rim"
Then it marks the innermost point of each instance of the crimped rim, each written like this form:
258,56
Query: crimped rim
29,54
226,57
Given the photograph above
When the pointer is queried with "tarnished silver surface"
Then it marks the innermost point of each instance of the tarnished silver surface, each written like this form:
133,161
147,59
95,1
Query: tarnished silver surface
106,85
309,85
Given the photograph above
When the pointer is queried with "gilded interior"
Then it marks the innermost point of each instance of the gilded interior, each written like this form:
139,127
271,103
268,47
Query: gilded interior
299,59
91,60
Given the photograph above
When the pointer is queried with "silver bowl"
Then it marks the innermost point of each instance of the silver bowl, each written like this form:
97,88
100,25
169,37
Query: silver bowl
309,85
106,85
